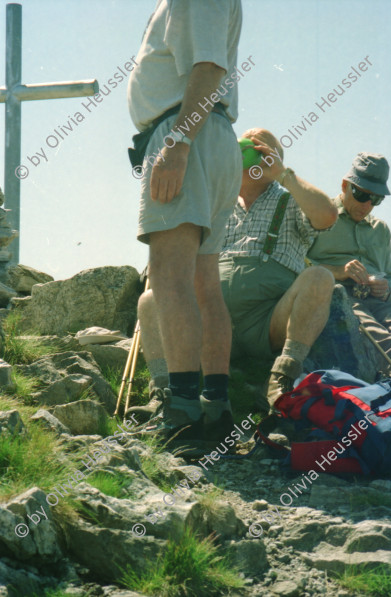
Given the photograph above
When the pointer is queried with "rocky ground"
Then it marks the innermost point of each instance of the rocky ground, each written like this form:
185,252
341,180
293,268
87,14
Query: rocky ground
78,544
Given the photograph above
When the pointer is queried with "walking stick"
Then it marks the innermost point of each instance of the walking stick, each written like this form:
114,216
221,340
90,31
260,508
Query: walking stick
372,339
133,367
131,360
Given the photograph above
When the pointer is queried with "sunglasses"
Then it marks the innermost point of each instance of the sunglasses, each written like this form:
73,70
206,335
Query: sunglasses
362,197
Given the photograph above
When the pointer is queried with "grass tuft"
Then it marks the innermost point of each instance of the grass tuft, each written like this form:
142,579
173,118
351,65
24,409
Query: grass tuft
188,568
113,376
110,484
23,387
29,460
17,350
376,582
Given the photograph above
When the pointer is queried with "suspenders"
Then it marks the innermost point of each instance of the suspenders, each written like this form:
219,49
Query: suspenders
275,225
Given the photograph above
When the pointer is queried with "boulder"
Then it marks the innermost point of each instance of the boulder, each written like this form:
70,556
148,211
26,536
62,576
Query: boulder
81,417
104,296
10,421
6,294
50,421
341,345
109,356
249,556
66,376
22,278
27,530
5,375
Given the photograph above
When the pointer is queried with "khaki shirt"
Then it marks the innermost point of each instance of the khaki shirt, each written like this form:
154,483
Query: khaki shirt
367,241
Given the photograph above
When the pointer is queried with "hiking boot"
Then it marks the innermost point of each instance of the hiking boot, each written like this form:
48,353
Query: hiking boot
218,420
154,406
283,374
278,385
261,401
179,424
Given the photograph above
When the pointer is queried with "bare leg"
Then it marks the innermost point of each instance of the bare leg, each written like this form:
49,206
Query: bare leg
297,320
149,326
303,311
173,255
216,323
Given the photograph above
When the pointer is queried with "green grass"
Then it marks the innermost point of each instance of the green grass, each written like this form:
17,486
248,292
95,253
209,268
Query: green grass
21,351
376,582
29,460
152,469
188,568
24,387
110,484
113,376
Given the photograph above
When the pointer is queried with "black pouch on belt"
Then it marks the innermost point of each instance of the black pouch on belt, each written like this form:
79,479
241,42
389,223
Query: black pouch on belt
141,140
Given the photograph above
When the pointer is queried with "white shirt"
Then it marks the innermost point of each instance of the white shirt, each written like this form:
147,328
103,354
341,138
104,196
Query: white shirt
180,34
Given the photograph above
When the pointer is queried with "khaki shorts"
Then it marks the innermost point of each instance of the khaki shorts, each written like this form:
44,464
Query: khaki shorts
210,187
251,289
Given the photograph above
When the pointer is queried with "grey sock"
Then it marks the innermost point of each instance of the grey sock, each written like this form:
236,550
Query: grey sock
159,372
295,350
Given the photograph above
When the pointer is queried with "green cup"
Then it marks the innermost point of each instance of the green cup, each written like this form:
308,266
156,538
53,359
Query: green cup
251,157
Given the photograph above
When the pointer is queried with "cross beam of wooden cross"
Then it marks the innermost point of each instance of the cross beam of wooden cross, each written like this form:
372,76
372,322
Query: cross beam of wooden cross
12,95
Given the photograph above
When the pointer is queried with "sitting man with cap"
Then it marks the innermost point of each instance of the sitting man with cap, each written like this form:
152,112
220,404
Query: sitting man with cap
357,249
274,302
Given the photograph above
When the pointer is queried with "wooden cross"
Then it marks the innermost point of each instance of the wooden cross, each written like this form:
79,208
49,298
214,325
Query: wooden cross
12,95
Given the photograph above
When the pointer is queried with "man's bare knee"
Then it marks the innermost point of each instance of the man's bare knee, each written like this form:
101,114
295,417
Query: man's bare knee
146,303
317,279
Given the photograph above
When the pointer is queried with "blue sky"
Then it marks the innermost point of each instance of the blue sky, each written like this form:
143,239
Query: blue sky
79,209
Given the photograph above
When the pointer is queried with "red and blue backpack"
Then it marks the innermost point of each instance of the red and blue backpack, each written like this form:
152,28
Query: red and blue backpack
350,422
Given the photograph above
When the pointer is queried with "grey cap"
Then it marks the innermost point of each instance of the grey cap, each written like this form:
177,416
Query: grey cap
370,172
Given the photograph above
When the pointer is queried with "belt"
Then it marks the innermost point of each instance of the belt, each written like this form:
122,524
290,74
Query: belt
141,140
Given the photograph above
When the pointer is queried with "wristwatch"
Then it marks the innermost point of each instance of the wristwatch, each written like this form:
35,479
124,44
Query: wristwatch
181,138
280,179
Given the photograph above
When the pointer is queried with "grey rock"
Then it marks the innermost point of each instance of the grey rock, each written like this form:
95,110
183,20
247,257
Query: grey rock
16,582
249,556
39,542
109,356
305,535
81,417
50,421
341,345
65,377
116,592
104,297
337,560
6,294
221,520
260,505
328,498
5,375
369,536
286,588
67,389
11,421
22,278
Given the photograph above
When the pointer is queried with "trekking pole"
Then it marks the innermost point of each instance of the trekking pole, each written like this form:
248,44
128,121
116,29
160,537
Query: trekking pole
375,343
137,336
132,358
133,368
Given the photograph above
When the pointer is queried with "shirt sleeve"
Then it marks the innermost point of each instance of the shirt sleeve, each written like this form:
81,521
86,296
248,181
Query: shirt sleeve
197,31
306,230
387,266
